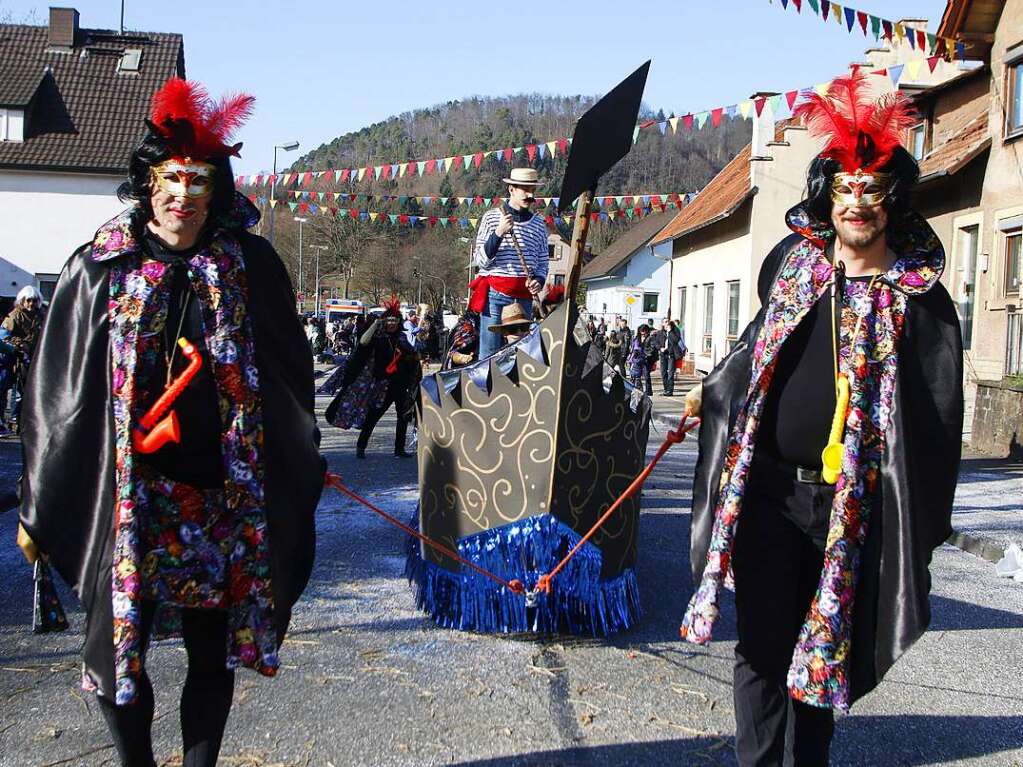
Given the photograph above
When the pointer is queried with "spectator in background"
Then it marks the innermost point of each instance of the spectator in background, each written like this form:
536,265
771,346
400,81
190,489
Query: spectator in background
625,333
670,348
640,360
615,351
19,332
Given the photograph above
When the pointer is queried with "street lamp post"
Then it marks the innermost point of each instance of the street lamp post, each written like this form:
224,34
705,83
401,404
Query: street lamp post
287,146
301,300
443,284
317,248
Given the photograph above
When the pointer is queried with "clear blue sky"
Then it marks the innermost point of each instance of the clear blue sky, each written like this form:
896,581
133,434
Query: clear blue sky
326,68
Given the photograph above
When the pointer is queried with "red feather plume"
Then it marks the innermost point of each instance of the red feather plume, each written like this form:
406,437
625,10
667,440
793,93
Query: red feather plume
184,114
861,133
392,306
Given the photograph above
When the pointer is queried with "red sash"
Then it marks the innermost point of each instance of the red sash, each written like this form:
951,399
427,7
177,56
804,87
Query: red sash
510,286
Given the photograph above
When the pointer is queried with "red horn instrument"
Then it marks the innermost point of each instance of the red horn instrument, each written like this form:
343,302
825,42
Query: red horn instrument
151,434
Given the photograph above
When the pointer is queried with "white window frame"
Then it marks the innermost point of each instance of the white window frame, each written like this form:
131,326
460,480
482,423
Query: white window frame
732,331
708,318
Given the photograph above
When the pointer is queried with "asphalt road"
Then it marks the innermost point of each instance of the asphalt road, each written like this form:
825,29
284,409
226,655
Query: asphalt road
366,680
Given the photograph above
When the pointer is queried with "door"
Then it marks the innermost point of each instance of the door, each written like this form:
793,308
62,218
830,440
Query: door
969,243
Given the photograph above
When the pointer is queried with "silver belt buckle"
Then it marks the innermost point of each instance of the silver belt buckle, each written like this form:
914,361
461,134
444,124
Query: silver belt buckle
808,476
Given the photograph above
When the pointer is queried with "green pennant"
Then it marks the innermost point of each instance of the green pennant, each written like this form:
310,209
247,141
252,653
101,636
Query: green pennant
393,217
402,199
342,211
419,167
443,222
293,206
775,102
814,6
630,212
443,200
701,119
875,27
466,161
932,42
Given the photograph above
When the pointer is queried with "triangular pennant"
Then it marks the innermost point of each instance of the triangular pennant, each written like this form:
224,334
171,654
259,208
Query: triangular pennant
663,127
875,26
813,5
373,216
850,17
798,4
900,30
542,149
911,39
932,43
862,18
466,161
552,147
759,104
563,145
715,116
378,171
273,203
393,217
895,73
292,205
921,40
420,167
477,159
825,7
531,152
836,13
673,122
473,222
932,62
687,121
744,108
913,68
509,154
362,173
887,27
790,98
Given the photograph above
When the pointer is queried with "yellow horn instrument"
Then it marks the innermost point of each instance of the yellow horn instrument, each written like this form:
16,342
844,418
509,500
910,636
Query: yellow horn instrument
831,456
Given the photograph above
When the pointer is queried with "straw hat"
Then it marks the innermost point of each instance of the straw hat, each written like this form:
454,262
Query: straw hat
522,177
513,317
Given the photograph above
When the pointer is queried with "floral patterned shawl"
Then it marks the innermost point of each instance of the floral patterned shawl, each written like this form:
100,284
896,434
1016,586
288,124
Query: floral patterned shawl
137,312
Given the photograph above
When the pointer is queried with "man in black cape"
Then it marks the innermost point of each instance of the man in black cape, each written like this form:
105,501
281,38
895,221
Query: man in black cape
830,442
200,523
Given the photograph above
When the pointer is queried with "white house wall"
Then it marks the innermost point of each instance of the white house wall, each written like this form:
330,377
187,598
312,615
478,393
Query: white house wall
44,217
716,264
642,273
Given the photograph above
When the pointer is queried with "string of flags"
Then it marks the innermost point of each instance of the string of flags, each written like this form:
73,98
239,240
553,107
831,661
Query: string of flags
893,31
620,215
616,201
781,106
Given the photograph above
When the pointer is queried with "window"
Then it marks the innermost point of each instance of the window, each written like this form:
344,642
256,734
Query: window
917,139
130,61
1014,92
650,303
3,124
12,125
969,241
682,307
1013,242
733,313
708,318
559,279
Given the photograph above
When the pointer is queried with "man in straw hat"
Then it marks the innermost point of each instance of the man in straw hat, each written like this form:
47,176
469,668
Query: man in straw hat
511,253
515,323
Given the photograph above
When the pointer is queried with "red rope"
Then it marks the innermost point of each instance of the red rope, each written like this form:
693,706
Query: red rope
544,582
334,481
673,438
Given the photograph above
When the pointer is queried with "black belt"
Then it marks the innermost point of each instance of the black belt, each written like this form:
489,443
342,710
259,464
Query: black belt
798,473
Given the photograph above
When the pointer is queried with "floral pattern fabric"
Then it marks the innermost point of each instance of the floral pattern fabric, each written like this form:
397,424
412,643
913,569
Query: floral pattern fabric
818,673
182,546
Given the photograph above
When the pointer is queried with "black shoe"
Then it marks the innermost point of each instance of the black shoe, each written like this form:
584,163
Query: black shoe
402,454
360,452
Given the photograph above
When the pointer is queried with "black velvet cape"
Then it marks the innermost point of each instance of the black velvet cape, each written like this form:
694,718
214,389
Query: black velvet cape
918,473
68,440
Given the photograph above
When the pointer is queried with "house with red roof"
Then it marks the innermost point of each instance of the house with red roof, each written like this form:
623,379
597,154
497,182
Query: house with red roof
72,105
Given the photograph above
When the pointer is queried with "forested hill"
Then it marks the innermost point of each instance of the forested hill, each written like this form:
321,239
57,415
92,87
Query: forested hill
681,163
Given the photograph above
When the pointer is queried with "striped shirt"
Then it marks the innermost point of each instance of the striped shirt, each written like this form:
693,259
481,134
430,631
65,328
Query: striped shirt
532,237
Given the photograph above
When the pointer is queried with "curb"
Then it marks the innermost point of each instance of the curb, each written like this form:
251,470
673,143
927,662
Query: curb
985,548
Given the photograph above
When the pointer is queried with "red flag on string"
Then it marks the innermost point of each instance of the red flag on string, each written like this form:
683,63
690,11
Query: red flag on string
477,159
457,162
862,18
344,175
932,62
563,145
306,179
431,166
509,153
594,216
531,151
386,172
403,218
655,199
921,40
798,4
329,177
433,220
477,200
791,97
687,120
715,116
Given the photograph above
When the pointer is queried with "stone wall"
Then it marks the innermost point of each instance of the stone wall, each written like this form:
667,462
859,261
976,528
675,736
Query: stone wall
998,419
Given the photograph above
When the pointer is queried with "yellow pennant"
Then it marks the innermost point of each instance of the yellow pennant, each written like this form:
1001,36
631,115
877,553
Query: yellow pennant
913,67
373,216
744,108
473,222
361,174
836,13
900,31
273,203
552,147
673,122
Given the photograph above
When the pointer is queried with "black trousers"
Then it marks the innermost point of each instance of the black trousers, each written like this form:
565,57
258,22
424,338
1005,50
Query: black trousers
777,562
667,365
397,394
205,700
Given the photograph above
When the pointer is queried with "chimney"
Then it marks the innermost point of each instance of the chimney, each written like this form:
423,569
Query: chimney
763,125
63,30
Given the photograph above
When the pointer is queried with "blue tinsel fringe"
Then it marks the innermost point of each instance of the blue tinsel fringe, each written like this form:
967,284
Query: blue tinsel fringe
579,602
